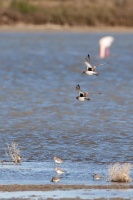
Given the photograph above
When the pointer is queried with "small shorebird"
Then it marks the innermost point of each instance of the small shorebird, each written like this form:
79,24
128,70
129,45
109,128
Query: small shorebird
91,70
58,160
97,176
83,96
59,171
55,179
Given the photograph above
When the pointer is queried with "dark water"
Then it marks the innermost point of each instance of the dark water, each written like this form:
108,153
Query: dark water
39,110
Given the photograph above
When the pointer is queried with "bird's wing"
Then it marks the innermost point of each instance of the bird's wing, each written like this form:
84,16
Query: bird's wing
94,68
81,93
100,64
87,63
78,87
86,94
95,92
87,59
89,67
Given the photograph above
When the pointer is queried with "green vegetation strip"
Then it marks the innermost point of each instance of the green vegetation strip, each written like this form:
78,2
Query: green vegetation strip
76,12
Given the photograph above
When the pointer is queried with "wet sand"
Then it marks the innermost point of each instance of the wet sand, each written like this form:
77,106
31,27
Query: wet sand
21,27
49,187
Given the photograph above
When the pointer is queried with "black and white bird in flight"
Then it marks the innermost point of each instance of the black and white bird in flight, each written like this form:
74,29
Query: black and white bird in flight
83,96
91,70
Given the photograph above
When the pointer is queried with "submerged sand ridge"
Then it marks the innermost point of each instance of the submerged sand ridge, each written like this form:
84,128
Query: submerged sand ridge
49,187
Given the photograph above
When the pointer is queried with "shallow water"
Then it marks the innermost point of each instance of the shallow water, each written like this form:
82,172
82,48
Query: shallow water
42,173
78,194
39,110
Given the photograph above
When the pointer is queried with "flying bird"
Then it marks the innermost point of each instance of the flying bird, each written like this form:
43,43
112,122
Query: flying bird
91,70
105,43
83,96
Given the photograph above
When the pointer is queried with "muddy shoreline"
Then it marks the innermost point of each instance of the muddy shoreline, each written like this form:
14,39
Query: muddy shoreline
49,187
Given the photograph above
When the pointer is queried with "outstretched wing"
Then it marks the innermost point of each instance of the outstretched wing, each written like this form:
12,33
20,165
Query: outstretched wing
95,92
87,63
81,93
89,67
78,88
87,59
94,68
86,94
100,64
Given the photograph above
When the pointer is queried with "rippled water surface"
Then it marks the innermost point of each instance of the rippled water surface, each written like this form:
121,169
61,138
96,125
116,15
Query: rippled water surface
74,194
39,110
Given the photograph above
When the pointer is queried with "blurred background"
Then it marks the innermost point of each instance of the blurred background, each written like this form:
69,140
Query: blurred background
68,12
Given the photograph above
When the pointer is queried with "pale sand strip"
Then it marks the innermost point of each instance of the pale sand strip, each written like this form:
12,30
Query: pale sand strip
21,27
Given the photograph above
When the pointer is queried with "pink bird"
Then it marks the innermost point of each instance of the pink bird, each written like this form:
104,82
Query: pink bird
105,43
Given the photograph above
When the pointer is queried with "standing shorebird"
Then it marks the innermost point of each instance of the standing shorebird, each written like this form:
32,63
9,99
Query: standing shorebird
59,171
97,176
58,160
55,179
83,96
91,70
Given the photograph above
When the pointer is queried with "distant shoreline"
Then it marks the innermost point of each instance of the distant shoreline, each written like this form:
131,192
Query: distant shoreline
21,27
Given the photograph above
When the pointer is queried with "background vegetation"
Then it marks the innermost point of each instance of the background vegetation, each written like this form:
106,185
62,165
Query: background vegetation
70,12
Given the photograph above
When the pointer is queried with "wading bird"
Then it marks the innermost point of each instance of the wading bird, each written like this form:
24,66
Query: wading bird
105,43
